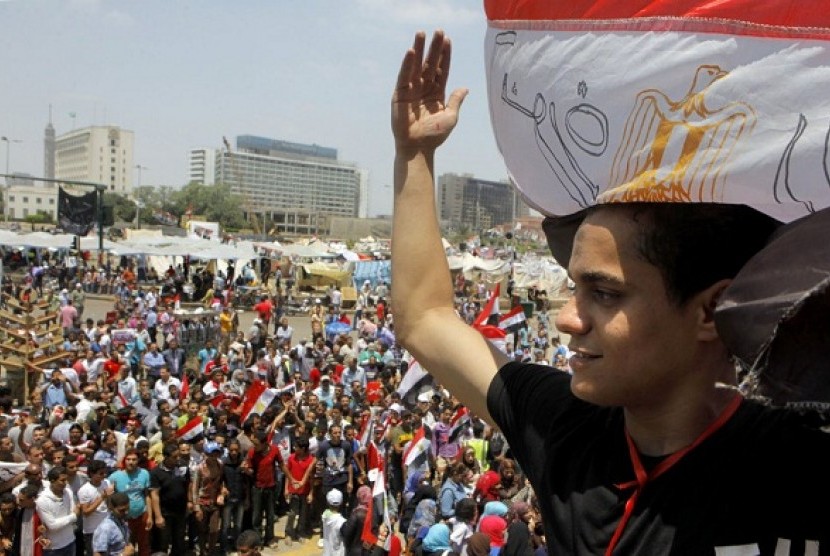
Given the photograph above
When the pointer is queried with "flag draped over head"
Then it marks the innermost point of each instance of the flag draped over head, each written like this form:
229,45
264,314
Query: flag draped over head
600,101
76,213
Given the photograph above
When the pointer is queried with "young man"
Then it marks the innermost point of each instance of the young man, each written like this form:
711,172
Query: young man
112,537
640,450
135,483
93,501
299,471
59,513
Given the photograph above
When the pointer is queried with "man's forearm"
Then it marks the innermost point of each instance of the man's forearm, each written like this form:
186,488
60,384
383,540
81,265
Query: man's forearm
419,264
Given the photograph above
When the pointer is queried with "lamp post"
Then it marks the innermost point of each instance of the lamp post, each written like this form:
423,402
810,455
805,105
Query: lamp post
138,204
8,142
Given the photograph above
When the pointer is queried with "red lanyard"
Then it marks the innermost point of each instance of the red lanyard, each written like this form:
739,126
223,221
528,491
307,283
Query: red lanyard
643,476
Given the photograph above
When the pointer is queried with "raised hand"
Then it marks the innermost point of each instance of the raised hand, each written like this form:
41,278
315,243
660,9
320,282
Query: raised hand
422,118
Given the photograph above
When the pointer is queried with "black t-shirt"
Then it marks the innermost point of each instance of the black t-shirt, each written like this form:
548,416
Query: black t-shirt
172,486
336,460
759,484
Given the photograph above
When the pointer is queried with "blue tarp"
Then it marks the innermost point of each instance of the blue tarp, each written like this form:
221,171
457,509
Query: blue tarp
374,271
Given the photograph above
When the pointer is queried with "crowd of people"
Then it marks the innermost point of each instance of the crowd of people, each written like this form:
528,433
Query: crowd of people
134,438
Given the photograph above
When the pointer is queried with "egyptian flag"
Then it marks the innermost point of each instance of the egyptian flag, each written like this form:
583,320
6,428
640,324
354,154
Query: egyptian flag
602,101
513,320
490,308
459,422
192,429
367,426
377,512
257,399
185,388
411,383
416,452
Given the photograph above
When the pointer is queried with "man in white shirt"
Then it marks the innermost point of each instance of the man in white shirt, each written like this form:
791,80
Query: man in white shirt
58,512
161,390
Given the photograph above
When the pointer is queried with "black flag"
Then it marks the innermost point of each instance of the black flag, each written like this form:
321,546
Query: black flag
76,213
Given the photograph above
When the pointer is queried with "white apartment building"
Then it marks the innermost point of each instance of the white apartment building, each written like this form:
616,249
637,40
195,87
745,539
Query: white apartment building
201,164
99,154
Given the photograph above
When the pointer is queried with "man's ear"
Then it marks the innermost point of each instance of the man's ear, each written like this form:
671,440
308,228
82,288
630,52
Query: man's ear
706,301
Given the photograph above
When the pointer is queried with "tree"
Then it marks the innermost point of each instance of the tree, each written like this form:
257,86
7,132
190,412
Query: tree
215,202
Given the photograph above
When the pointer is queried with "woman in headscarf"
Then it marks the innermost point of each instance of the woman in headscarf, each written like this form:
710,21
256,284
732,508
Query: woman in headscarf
478,545
518,531
468,458
424,514
352,529
413,481
437,540
423,492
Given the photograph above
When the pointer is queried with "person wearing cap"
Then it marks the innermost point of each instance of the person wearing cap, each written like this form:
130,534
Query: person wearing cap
333,520
325,392
207,494
78,297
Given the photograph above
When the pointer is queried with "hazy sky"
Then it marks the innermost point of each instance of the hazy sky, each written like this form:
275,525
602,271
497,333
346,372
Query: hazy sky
182,74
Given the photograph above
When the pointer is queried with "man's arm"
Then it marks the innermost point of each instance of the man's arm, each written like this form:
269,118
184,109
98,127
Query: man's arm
425,319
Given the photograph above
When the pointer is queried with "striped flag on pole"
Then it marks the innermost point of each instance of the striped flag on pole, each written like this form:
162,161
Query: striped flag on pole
377,512
490,308
514,319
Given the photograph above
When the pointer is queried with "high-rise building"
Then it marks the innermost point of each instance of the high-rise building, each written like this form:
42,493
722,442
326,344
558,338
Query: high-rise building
99,154
201,166
468,202
295,187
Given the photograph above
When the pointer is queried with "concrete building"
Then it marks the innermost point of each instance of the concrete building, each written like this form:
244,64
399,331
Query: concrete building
293,188
201,166
468,202
99,154
20,201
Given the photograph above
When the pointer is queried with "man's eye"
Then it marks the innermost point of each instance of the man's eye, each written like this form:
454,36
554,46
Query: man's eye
605,295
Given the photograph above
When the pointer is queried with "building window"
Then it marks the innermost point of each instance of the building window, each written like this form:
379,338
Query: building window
112,142
25,199
25,212
112,188
37,200
51,201
11,198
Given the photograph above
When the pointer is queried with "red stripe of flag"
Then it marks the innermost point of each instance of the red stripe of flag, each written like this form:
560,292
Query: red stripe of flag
193,427
491,308
759,12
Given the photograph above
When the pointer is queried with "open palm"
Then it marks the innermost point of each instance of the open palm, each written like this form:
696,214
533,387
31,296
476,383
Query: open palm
421,118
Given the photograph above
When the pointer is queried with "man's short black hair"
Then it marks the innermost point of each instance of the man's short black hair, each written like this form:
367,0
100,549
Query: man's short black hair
694,245
248,539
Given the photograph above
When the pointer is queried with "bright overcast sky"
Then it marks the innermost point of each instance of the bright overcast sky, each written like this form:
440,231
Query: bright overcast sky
183,74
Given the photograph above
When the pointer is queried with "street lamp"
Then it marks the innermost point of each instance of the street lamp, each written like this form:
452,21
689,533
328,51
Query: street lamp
138,204
8,143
